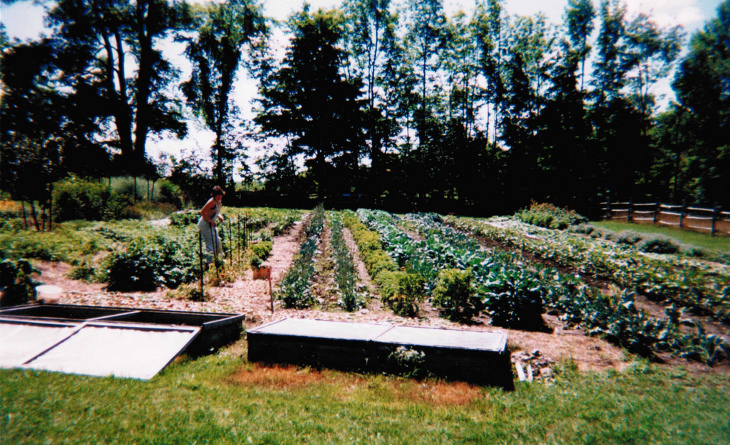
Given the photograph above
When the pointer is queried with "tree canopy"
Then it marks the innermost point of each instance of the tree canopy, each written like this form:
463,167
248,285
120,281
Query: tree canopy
399,102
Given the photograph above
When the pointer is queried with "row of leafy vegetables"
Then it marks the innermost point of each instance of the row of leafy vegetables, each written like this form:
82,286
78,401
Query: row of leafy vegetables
514,292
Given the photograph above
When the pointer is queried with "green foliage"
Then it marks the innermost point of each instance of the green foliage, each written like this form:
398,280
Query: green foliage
371,250
408,362
658,244
146,265
345,273
295,288
644,242
455,296
84,272
185,218
401,291
614,316
513,298
16,284
76,198
261,250
550,216
689,243
311,101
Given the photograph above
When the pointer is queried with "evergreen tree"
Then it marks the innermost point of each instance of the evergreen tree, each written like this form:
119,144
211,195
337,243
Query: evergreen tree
311,103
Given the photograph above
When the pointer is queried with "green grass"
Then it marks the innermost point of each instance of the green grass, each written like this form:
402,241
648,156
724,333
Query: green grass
718,243
224,399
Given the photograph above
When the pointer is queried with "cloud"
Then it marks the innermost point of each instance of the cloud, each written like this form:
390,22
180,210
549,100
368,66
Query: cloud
669,12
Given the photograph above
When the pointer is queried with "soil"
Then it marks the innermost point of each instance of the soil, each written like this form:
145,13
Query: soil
536,352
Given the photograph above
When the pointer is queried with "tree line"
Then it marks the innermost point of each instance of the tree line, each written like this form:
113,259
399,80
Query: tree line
394,102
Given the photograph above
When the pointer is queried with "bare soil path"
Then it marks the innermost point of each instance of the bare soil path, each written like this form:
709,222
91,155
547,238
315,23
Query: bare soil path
252,298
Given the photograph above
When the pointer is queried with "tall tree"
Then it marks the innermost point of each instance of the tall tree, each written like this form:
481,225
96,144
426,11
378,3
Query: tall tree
113,48
702,86
461,63
32,129
227,31
650,51
425,37
372,43
490,23
311,103
579,16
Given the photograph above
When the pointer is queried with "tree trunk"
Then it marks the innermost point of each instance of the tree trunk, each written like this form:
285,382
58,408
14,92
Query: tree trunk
35,217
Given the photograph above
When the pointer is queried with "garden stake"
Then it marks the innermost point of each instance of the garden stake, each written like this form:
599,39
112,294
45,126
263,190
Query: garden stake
214,236
230,244
238,225
200,255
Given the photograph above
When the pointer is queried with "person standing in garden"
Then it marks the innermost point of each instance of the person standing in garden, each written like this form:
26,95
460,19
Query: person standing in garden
210,214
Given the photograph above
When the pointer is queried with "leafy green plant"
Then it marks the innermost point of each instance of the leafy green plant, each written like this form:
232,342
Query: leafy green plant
401,291
513,298
76,198
658,244
408,362
16,283
550,216
295,288
454,295
83,271
146,265
345,273
261,250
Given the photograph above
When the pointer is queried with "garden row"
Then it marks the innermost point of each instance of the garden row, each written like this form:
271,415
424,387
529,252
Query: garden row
462,279
296,288
700,286
132,255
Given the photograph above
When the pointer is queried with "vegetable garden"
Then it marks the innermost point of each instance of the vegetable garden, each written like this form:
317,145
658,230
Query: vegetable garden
462,267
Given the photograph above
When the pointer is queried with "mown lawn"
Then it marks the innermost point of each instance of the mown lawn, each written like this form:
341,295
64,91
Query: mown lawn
224,399
720,243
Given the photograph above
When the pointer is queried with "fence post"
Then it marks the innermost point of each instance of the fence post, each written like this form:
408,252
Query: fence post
715,216
656,211
630,210
682,213
607,216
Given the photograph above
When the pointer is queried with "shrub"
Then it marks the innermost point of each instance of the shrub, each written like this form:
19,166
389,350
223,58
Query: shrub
83,272
454,295
169,193
261,250
76,198
408,362
401,291
513,298
627,237
185,218
658,244
146,266
550,216
16,283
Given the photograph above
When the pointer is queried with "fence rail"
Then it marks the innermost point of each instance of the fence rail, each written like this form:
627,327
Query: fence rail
699,219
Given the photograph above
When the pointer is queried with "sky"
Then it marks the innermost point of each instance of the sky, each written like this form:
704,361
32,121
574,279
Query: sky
23,20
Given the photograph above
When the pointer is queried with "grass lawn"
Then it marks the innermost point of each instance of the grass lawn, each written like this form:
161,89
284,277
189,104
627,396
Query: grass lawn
223,399
720,243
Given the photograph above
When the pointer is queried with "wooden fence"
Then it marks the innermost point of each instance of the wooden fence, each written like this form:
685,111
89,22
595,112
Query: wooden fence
698,219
